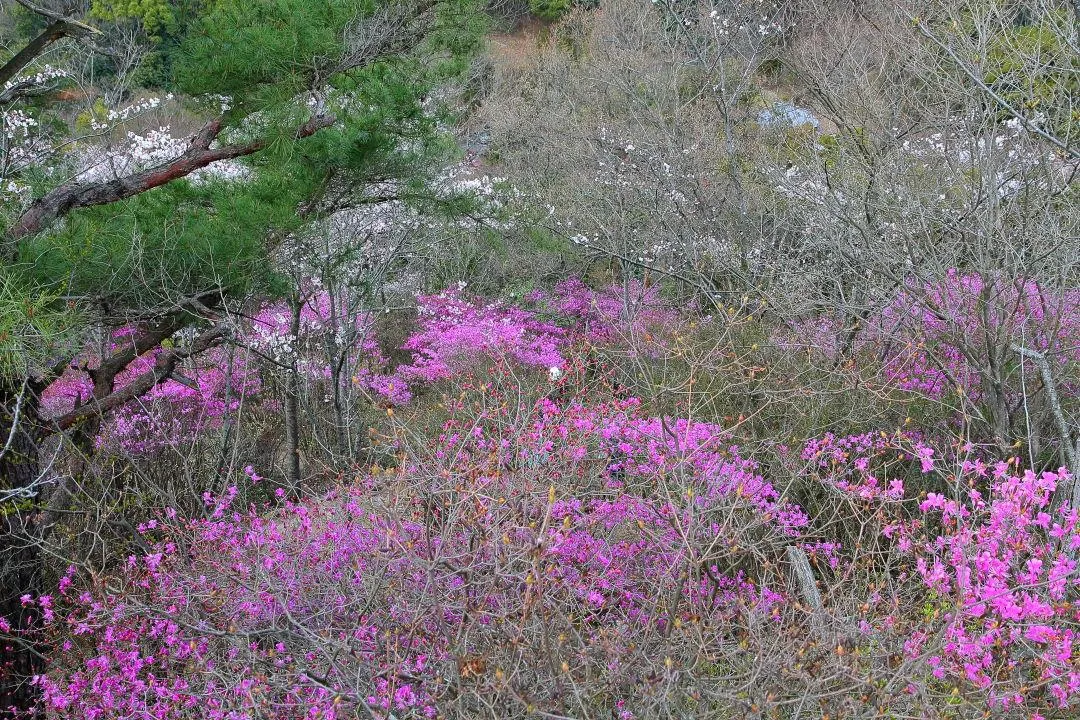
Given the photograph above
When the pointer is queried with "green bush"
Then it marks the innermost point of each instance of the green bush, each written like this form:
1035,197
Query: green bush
549,9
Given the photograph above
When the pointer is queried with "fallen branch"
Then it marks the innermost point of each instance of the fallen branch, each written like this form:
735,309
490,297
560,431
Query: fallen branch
803,577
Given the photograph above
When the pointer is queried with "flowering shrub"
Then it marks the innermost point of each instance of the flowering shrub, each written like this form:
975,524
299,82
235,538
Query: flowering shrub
934,321
270,332
174,413
455,334
615,314
545,550
1003,569
929,337
995,563
846,462
453,330
500,563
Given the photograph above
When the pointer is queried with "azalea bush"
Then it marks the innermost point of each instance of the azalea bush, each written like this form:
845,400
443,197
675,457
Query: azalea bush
578,559
537,538
992,553
515,556
934,324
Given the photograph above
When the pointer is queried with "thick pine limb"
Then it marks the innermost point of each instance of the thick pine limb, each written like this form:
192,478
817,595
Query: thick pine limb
60,27
64,199
55,31
154,334
57,17
150,336
164,365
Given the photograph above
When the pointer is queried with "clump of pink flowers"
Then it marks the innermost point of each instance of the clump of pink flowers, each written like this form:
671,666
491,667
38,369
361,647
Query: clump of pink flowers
1003,571
616,314
368,598
861,464
532,542
994,553
455,334
453,331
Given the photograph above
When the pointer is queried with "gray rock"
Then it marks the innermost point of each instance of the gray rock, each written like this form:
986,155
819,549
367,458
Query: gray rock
786,114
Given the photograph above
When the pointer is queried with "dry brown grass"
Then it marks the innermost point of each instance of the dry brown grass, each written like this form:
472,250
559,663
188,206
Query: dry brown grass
519,50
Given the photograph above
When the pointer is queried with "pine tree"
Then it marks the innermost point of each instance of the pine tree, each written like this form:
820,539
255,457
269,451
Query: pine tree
315,100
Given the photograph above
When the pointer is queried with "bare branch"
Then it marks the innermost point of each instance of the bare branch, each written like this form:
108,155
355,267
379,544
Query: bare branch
995,96
57,17
1068,448
15,417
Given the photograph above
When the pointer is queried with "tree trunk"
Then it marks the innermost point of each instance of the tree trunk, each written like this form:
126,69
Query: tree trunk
340,422
337,355
230,417
292,407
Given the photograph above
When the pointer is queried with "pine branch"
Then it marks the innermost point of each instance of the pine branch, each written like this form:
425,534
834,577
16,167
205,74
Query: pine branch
62,200
60,27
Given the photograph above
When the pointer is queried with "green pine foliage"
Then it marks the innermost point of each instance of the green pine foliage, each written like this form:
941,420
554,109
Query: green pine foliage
35,327
265,59
174,240
549,9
